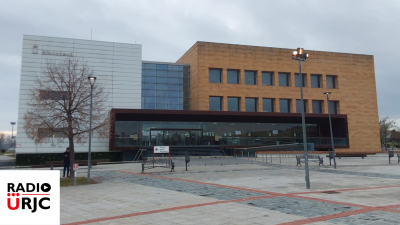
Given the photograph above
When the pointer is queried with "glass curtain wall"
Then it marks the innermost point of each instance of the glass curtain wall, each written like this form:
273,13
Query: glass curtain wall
165,86
151,133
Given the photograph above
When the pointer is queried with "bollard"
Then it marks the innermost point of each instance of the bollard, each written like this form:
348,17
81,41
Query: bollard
271,158
248,155
75,178
220,159
51,166
236,159
142,167
266,158
251,160
205,161
242,154
280,162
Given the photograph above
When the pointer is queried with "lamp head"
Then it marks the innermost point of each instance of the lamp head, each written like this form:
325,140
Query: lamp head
327,94
92,80
299,54
13,123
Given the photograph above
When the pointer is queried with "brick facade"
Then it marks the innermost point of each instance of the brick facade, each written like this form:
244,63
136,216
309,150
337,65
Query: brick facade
356,89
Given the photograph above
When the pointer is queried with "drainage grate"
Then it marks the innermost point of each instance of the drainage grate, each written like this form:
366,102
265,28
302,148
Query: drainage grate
330,192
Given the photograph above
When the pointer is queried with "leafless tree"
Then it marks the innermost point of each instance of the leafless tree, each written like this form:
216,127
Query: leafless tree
385,125
60,105
2,138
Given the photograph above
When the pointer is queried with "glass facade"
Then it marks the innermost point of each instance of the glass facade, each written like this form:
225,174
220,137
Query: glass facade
316,81
233,104
298,105
268,105
215,75
215,103
155,133
284,79
233,77
251,104
165,86
250,77
267,78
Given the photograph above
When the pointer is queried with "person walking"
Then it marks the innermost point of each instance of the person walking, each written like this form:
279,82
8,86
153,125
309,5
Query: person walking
66,156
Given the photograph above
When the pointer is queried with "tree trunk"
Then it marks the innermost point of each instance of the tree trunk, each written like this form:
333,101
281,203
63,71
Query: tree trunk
72,157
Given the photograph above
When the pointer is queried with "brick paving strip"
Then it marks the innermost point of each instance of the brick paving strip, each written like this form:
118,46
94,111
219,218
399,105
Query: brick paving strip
361,208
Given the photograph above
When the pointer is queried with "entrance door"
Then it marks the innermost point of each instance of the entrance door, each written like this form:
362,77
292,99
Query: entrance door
176,137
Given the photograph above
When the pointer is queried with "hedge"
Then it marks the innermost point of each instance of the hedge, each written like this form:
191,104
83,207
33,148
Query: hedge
41,158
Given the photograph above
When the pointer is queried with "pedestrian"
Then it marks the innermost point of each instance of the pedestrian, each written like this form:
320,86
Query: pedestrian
66,156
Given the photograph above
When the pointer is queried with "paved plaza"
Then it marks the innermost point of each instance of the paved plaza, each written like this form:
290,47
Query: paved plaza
359,191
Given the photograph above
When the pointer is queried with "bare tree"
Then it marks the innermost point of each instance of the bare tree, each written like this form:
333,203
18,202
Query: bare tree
385,125
60,105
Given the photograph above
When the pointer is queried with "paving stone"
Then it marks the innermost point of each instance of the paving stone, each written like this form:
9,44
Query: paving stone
301,207
369,218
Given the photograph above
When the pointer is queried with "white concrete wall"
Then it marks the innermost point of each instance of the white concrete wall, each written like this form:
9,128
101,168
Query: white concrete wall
117,66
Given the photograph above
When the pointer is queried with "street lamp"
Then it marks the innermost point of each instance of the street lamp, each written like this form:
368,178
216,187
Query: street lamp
12,133
330,125
92,80
299,55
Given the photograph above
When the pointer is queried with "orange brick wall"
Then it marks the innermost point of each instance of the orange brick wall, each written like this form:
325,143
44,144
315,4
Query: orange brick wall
356,90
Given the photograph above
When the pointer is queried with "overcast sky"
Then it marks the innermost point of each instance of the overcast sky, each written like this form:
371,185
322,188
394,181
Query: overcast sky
166,29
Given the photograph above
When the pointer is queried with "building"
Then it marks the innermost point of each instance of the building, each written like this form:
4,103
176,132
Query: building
218,97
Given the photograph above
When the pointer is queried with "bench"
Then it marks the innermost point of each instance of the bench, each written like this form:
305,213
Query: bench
312,158
61,163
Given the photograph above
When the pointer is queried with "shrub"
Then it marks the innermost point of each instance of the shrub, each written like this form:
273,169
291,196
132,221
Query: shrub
2,150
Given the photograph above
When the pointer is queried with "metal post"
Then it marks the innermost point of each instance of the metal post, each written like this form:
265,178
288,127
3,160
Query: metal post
248,155
12,135
205,161
75,178
220,159
303,123
330,125
280,162
236,159
90,135
242,154
271,158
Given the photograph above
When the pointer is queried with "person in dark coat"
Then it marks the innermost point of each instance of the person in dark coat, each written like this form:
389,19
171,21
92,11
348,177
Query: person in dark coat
66,156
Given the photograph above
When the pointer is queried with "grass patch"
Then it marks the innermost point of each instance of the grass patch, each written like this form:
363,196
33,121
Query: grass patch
64,182
12,155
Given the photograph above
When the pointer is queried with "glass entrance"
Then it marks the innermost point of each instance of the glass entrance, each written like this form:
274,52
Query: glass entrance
176,137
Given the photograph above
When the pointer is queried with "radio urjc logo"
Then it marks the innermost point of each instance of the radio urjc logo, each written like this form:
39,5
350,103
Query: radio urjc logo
31,196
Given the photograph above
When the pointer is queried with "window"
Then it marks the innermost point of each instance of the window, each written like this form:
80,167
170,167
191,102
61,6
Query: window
267,78
233,104
251,104
214,75
268,105
53,95
284,79
317,106
284,105
250,77
298,106
333,107
316,81
215,103
233,77
300,80
331,81
56,132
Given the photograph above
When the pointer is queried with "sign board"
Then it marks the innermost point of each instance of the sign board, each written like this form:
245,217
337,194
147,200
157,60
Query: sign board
75,166
161,149
18,145
274,131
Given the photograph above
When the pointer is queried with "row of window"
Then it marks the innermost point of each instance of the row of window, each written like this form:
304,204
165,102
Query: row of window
250,78
268,105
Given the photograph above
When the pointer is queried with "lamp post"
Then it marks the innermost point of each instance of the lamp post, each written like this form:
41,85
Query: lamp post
92,80
330,125
299,55
12,133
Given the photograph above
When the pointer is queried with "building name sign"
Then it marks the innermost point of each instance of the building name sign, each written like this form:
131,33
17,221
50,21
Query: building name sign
35,50
47,52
